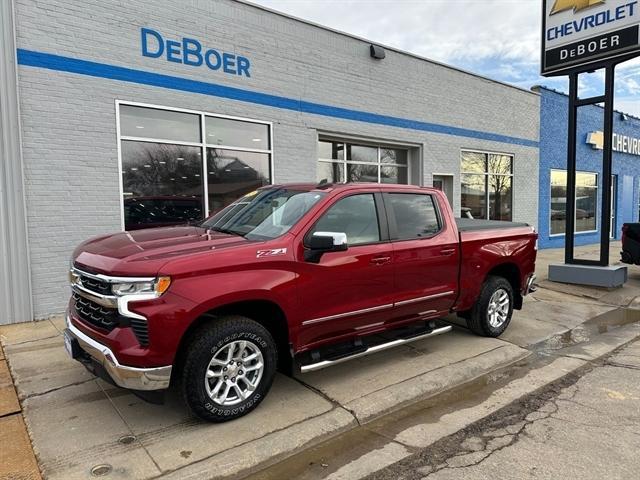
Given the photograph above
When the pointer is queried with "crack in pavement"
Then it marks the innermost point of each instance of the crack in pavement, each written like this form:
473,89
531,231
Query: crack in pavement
477,442
55,389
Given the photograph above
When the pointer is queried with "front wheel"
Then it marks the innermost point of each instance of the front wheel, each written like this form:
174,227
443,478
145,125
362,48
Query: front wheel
491,314
229,368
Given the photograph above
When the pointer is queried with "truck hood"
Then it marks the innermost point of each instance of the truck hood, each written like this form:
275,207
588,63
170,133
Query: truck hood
144,252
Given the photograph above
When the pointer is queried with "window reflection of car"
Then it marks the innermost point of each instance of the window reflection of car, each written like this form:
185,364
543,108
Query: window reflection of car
465,212
580,214
160,211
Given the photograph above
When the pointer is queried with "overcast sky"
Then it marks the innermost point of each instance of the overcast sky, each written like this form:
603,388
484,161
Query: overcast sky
496,38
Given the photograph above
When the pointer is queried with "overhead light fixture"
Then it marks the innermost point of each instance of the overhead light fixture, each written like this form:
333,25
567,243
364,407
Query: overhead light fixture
162,163
180,158
377,52
184,177
256,139
147,166
134,168
197,175
172,179
139,126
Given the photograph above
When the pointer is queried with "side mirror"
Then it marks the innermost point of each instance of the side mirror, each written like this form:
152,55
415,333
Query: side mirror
324,242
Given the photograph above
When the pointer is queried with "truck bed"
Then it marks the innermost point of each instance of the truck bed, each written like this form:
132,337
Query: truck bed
472,224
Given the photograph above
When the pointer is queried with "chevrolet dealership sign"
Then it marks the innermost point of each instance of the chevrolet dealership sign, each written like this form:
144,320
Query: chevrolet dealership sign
621,143
581,33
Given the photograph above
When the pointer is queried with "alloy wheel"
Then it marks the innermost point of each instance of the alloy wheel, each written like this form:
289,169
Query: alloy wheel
234,373
498,309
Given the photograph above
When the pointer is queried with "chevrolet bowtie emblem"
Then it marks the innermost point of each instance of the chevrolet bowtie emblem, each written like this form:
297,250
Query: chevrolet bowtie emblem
576,5
596,140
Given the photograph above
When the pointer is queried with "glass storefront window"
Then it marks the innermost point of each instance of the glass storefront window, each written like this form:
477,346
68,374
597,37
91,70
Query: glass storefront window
360,153
396,175
236,133
332,172
159,124
474,162
393,155
586,202
474,196
165,161
162,184
500,200
362,173
232,174
362,163
487,185
330,150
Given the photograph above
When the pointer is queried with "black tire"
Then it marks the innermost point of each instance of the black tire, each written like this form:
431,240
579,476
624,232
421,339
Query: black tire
215,338
478,319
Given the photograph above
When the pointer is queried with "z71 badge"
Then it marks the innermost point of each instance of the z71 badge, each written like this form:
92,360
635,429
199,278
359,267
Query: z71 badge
271,252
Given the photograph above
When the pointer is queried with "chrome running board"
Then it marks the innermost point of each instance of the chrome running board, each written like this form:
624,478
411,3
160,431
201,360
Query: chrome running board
378,348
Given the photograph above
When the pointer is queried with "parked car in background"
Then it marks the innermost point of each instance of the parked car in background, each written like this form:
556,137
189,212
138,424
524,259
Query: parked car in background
630,244
299,277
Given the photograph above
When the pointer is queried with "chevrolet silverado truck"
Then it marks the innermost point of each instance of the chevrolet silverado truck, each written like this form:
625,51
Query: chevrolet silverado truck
289,277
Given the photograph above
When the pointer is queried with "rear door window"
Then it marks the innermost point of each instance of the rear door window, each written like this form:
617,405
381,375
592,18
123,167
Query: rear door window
415,215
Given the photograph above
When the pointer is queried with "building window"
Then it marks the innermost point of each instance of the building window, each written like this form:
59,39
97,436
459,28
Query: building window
586,202
340,162
487,185
180,166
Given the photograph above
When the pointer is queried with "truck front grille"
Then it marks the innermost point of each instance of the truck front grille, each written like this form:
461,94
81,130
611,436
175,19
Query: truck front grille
95,285
109,318
95,314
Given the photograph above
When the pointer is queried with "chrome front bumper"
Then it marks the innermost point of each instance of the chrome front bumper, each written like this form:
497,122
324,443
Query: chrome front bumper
133,378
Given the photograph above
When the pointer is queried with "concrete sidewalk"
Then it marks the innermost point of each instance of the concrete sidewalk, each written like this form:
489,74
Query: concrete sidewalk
78,423
17,460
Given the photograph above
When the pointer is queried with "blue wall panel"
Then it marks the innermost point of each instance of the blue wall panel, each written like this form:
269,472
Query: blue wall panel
553,155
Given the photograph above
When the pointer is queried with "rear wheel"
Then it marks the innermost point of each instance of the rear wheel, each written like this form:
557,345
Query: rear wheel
228,369
491,314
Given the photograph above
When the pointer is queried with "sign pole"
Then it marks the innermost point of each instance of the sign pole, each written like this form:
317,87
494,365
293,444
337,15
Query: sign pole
607,160
570,204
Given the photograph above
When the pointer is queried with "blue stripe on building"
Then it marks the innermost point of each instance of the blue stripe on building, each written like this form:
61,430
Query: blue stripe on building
113,72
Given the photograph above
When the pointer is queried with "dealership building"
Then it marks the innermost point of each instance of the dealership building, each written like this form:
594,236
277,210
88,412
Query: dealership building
625,179
135,114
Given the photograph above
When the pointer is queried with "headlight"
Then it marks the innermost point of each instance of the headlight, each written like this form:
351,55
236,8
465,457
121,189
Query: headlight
156,287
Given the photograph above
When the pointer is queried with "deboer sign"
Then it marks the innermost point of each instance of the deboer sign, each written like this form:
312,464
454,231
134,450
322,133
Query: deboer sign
577,34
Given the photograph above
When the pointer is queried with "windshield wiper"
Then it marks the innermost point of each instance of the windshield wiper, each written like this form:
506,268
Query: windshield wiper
225,230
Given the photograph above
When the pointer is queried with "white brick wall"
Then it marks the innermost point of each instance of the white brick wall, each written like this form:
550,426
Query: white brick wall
69,125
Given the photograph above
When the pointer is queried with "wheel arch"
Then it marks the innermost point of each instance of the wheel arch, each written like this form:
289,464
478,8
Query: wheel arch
265,312
510,272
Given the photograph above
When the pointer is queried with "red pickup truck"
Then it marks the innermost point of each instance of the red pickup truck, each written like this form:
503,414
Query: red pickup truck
296,277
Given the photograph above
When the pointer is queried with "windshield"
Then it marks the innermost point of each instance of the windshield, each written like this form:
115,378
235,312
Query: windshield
264,214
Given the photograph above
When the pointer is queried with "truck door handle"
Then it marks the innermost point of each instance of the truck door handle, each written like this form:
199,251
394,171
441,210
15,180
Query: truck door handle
380,260
448,251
